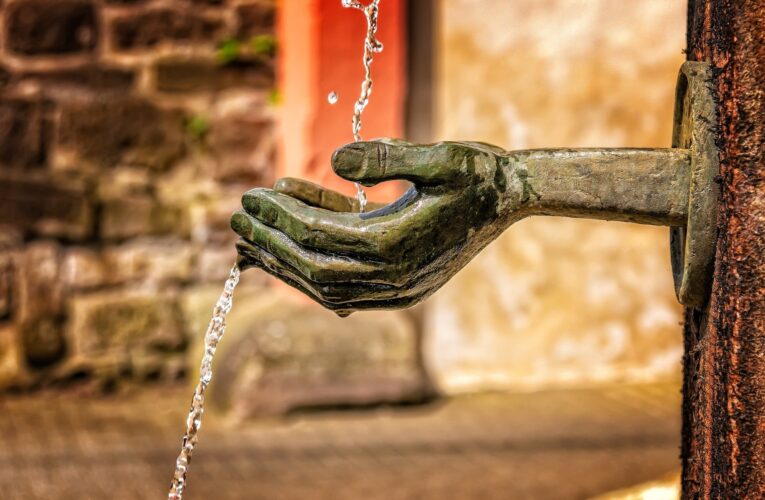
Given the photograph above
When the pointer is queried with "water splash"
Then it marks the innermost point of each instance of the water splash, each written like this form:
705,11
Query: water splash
213,335
371,46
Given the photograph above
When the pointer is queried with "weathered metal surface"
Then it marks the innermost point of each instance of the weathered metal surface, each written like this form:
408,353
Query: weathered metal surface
723,444
693,244
463,196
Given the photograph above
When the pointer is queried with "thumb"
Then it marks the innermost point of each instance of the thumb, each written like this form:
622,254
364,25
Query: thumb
371,162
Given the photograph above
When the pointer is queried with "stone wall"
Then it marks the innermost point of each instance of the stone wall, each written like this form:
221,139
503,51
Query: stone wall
554,301
128,131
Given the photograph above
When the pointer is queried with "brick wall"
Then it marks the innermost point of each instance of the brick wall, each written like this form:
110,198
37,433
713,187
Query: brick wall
128,131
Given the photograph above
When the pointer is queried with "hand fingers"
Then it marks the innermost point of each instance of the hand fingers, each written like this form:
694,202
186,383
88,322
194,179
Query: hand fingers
380,236
316,267
328,232
319,197
315,195
341,298
425,165
251,256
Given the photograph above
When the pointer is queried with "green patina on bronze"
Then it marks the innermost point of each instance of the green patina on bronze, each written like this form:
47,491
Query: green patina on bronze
464,195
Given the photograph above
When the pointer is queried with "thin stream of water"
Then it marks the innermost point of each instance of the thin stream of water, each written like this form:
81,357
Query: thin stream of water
371,47
214,333
217,324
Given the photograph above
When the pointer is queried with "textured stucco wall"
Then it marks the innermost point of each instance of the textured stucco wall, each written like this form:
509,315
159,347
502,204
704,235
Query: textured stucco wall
558,301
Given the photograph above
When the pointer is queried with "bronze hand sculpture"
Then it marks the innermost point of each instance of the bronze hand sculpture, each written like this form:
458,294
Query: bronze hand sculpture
463,196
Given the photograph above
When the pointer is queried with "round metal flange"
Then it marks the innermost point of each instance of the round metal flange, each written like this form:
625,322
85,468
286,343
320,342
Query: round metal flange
693,246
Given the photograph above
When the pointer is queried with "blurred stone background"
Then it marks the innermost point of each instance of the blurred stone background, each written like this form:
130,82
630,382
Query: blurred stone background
128,131
558,302
130,128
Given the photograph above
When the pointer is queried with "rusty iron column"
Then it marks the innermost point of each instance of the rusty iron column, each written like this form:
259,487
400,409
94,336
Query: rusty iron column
723,443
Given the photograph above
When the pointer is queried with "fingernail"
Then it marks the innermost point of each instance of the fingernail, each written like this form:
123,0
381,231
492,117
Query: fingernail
349,158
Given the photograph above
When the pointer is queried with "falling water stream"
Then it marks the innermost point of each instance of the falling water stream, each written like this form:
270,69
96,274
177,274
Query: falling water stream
217,324
194,419
371,47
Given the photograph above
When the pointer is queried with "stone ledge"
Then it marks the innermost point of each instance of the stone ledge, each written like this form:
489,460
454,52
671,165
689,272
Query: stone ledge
279,355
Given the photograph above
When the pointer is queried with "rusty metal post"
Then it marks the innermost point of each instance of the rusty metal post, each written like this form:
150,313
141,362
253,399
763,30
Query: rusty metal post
723,443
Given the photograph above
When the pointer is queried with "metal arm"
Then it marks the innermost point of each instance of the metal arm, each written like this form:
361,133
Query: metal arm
645,186
465,194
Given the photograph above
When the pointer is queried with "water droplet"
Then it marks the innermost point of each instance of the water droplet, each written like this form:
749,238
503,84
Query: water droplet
362,197
332,97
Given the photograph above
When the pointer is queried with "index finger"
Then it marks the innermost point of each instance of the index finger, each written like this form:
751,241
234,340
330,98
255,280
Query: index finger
320,197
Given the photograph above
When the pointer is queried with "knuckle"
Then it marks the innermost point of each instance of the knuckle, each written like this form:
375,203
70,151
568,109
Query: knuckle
449,148
310,221
298,230
390,247
313,237
383,155
318,274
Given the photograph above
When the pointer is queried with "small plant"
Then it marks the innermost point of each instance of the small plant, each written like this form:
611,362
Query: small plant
274,97
233,49
228,51
263,45
197,127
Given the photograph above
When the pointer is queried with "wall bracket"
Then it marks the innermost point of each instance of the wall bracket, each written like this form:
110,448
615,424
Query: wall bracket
693,247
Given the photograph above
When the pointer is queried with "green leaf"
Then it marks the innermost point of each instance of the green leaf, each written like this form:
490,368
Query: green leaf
228,51
197,126
263,45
